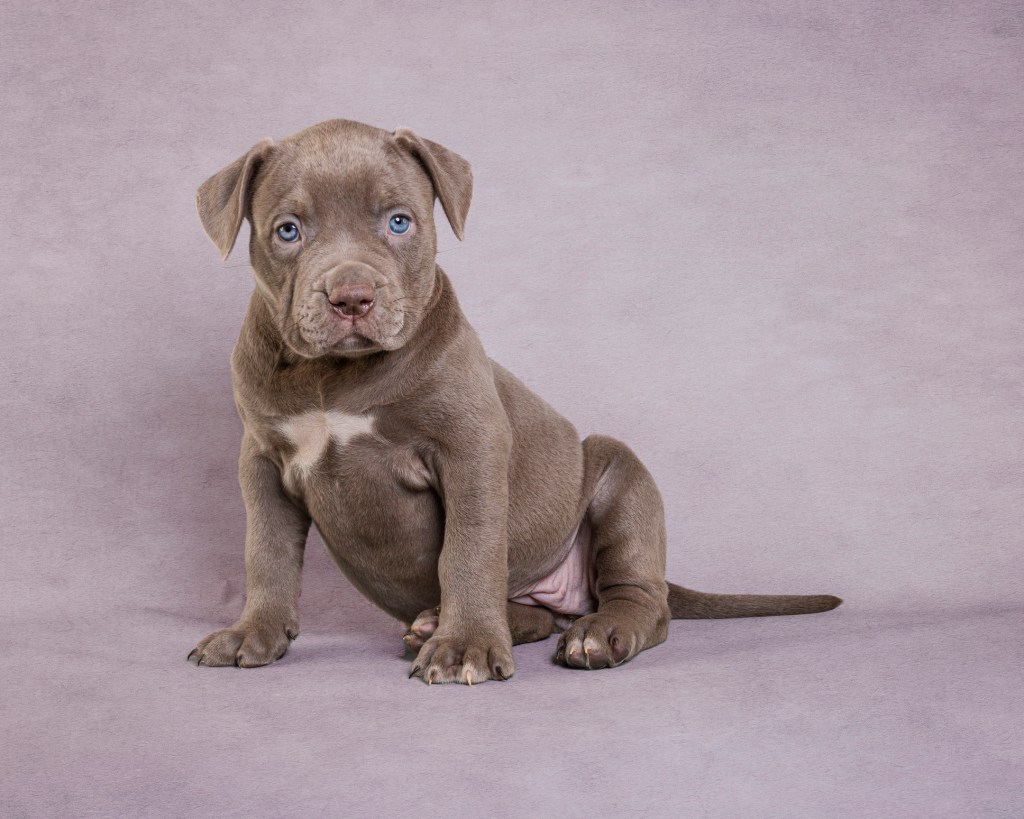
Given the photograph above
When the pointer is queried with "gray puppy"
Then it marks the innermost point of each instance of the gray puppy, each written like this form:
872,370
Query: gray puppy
448,493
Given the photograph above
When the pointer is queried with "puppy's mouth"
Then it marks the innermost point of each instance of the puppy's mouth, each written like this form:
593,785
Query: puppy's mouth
351,335
355,336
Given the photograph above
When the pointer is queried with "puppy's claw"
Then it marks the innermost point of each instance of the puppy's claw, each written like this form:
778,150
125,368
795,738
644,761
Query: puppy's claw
194,658
415,670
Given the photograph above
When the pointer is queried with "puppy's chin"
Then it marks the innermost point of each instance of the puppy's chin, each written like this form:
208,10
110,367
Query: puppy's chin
350,345
354,346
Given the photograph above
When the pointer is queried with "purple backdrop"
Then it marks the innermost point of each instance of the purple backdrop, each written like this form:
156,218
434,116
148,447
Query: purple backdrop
777,247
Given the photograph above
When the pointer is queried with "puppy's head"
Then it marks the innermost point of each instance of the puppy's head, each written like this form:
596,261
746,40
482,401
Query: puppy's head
342,239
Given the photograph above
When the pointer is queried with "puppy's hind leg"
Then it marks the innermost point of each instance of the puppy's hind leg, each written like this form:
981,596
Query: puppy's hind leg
628,553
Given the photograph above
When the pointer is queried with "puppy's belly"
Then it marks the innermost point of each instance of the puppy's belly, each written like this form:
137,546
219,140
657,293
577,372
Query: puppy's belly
569,587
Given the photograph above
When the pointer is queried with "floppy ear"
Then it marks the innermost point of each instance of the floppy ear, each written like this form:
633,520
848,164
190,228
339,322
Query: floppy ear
223,199
450,173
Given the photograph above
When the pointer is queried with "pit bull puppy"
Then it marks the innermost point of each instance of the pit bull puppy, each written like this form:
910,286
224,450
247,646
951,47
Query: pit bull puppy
447,492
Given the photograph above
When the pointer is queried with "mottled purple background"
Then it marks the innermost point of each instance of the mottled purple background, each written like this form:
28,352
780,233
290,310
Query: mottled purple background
777,247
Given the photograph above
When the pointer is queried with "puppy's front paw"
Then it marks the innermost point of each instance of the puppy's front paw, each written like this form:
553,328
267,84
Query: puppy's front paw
469,660
246,645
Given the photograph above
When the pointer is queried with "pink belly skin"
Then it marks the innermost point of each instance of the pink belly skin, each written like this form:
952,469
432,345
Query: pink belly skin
569,588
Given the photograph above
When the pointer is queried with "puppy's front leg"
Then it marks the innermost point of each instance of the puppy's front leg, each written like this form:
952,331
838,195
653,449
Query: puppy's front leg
472,642
275,540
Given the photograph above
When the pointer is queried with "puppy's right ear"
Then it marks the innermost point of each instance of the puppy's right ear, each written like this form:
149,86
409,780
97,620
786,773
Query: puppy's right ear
223,199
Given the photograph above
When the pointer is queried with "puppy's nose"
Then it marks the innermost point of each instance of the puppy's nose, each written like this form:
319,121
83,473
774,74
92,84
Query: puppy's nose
353,299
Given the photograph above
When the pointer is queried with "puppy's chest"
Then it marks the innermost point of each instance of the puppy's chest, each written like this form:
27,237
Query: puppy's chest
311,437
327,449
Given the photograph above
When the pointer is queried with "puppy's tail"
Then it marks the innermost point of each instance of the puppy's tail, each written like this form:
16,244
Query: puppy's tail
687,604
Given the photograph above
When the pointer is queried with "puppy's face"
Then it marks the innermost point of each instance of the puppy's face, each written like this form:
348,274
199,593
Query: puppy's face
342,237
343,241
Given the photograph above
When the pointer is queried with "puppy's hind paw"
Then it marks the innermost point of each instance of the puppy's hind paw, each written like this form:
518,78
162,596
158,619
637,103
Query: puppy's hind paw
421,629
596,641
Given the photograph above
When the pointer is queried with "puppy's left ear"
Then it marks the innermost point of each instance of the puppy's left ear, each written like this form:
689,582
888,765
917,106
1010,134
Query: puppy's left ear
450,173
223,199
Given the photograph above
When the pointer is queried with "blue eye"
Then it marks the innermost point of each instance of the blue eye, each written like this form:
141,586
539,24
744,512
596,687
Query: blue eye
288,232
399,224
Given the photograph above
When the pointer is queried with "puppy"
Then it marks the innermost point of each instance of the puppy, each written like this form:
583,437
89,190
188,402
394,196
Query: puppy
448,493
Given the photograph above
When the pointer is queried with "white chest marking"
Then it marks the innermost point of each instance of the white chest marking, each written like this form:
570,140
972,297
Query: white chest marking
312,432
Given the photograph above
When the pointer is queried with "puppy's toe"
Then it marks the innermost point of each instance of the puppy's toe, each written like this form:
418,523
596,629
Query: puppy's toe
594,641
218,648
